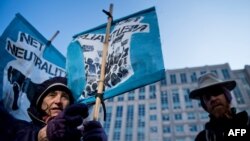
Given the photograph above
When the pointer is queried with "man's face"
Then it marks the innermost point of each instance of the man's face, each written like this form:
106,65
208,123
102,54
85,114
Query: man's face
216,103
55,102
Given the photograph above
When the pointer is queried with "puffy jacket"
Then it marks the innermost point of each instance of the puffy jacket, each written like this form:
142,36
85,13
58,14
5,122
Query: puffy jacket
12,129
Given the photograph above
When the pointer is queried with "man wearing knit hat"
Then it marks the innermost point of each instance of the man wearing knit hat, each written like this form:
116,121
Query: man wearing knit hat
55,117
215,97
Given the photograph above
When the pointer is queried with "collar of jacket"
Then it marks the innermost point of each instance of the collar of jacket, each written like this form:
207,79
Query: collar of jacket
238,120
35,117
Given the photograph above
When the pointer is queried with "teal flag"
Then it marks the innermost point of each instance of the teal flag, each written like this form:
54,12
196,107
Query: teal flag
27,59
134,56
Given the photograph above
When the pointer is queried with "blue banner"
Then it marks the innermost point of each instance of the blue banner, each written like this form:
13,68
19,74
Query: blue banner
134,57
27,59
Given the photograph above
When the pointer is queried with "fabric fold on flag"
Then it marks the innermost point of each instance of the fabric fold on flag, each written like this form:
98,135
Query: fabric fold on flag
76,80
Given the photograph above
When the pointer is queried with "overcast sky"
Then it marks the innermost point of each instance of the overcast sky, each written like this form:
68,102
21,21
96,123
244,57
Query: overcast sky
193,32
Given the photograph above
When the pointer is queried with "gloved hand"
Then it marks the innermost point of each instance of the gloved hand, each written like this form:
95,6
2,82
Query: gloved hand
63,127
93,131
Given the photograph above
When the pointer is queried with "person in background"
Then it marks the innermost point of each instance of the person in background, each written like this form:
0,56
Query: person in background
55,116
215,97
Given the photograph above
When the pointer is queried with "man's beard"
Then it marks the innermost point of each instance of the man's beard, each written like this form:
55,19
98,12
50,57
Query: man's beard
221,111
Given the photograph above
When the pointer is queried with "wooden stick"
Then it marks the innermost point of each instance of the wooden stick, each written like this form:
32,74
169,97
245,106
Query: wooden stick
104,56
53,37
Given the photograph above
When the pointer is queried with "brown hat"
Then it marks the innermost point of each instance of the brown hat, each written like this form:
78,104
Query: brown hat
210,80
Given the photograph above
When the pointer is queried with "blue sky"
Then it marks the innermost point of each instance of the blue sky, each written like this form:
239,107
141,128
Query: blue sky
193,32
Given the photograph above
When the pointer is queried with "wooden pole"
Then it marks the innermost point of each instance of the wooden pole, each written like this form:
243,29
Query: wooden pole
104,56
53,37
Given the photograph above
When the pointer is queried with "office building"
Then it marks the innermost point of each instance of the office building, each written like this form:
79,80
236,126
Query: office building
163,111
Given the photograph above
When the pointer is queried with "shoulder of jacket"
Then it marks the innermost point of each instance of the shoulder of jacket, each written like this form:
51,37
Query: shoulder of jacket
201,136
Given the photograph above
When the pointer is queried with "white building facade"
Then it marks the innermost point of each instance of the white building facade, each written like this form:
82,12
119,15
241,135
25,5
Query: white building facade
163,111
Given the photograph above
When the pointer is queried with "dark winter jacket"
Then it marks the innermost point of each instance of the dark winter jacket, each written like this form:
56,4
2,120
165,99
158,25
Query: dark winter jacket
224,129
28,133
12,129
63,127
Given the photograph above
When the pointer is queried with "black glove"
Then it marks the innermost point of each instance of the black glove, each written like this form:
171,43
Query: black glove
93,131
64,126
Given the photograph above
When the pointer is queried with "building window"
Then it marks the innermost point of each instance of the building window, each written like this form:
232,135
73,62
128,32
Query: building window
179,128
118,124
119,111
109,109
243,79
164,100
152,88
203,115
152,106
106,127
141,123
165,117
193,77
164,82
141,96
238,96
152,95
111,99
140,136
225,73
106,124
167,139
131,96
116,136
177,116
120,98
176,99
172,79
180,139
153,129
130,115
183,78
130,112
193,128
128,134
188,101
141,114
190,116
166,129
152,91
142,93
142,90
153,117
141,110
